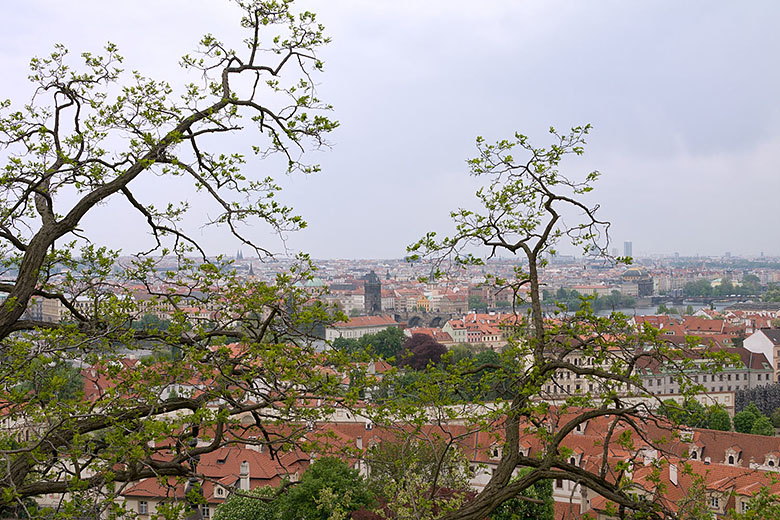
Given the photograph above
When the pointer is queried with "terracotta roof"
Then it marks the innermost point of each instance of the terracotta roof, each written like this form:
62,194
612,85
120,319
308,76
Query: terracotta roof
366,321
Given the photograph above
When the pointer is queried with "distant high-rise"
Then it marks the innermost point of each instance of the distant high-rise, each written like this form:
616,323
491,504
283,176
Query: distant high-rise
372,294
628,249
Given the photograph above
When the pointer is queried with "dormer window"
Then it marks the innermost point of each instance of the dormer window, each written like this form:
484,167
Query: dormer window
524,451
771,463
694,455
731,459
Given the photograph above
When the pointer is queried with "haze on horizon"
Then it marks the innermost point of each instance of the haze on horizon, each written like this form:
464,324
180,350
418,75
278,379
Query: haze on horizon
682,97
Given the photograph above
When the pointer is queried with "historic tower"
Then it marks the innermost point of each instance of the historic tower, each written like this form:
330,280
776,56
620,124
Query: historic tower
372,294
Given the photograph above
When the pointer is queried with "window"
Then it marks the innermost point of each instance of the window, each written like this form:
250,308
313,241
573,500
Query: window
714,502
559,483
771,463
205,512
744,506
694,455
731,459
143,507
704,379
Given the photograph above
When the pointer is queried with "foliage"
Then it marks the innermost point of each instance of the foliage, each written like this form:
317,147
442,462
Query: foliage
587,365
763,426
664,310
537,503
52,381
386,344
574,300
772,294
328,490
703,288
420,350
763,505
476,302
743,421
718,419
421,474
691,413
255,504
765,397
150,322
429,457
87,136
328,486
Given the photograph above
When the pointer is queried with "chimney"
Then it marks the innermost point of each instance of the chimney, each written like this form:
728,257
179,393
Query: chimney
254,445
359,443
244,476
673,473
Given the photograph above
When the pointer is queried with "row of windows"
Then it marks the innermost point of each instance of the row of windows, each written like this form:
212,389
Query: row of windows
143,509
719,377
555,389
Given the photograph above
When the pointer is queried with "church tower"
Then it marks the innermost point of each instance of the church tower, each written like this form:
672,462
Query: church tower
372,294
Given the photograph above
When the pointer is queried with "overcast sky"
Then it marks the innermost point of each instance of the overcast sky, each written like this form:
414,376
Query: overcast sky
683,98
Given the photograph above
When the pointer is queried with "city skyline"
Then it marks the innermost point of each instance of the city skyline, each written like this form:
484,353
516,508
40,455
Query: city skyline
686,148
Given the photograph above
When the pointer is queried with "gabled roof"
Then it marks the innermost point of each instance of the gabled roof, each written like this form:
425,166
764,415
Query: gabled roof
366,321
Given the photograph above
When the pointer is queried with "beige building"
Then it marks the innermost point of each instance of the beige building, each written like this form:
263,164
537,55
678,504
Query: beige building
359,326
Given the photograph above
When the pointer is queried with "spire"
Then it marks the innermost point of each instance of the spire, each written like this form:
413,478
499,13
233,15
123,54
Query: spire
251,271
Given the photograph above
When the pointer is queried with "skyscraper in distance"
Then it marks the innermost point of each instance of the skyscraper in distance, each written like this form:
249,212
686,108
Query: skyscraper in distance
628,249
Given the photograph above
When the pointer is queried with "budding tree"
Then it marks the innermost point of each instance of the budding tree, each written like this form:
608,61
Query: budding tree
559,370
87,136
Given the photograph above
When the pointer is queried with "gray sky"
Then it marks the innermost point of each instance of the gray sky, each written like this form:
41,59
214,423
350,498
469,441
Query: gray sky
683,97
